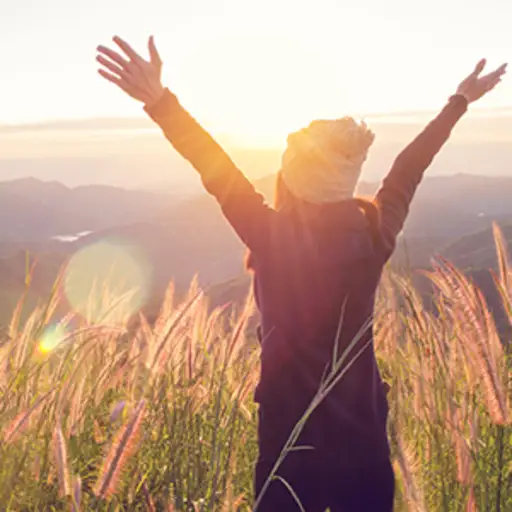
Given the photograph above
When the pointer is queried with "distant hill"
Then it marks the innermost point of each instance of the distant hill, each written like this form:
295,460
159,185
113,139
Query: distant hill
37,211
195,238
458,205
451,216
477,250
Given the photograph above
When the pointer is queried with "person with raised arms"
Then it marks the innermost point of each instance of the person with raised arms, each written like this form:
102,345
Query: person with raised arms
317,257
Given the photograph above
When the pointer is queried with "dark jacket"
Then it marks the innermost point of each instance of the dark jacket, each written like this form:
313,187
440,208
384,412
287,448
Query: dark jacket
308,275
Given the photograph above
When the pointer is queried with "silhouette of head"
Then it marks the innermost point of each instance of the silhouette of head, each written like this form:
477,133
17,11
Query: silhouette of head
323,162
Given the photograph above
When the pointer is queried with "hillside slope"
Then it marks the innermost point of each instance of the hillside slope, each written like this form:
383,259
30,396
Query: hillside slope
451,216
37,211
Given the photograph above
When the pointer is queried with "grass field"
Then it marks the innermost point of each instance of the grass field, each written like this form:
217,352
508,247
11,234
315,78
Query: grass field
161,417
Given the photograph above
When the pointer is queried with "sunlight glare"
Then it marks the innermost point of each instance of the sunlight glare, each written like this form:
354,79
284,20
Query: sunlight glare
52,337
108,281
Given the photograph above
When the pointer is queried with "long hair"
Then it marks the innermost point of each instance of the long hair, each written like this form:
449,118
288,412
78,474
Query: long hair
283,198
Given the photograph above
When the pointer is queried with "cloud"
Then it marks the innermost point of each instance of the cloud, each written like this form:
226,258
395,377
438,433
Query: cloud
142,123
487,113
100,124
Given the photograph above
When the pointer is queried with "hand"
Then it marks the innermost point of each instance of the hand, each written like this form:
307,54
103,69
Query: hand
137,77
476,86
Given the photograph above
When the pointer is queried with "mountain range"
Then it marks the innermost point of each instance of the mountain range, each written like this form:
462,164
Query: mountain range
181,237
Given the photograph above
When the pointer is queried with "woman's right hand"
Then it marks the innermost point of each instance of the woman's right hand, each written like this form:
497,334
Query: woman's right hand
139,78
476,86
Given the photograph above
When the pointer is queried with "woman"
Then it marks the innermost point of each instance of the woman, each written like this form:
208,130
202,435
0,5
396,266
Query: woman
317,259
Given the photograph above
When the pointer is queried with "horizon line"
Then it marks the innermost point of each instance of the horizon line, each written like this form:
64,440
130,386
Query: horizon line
364,182
142,123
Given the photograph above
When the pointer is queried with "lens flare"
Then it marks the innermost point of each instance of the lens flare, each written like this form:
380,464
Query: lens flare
52,338
107,282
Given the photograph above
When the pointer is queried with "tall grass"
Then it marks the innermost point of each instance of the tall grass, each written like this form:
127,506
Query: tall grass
160,417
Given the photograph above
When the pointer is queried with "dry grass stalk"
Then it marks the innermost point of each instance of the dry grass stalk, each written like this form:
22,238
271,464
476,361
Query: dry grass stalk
77,494
61,462
122,449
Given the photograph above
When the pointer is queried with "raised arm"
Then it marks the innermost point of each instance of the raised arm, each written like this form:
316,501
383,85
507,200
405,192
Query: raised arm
244,208
399,186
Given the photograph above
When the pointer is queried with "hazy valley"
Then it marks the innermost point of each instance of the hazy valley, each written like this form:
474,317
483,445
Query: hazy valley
181,237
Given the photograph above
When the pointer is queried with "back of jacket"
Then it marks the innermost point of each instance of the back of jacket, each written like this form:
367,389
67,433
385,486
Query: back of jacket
315,288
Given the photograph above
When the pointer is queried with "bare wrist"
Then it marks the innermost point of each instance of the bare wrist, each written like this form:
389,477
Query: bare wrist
154,97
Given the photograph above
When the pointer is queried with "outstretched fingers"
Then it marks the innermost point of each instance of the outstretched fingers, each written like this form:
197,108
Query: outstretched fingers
499,72
137,77
112,67
479,67
475,86
113,56
117,79
113,78
153,53
494,78
128,50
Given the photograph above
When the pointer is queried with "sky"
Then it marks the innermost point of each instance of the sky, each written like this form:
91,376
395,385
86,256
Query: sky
252,70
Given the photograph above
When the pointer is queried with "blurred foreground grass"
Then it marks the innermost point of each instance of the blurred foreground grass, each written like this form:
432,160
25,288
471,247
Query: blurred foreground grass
161,417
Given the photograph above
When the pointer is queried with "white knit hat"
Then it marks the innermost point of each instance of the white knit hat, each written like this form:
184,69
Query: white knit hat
323,162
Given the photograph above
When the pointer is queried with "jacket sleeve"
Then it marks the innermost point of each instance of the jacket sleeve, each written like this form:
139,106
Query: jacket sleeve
244,208
399,186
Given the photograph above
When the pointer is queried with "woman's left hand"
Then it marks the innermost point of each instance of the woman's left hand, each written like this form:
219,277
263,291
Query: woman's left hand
475,86
139,78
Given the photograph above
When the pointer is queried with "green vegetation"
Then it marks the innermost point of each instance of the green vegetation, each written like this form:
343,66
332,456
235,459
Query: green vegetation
161,417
